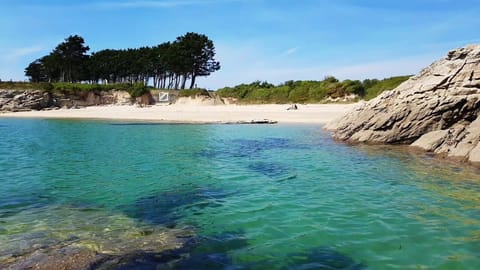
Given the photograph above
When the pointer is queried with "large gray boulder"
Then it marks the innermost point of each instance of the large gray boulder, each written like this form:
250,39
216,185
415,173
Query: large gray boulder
435,110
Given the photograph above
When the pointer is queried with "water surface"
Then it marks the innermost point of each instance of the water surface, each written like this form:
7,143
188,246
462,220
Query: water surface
255,197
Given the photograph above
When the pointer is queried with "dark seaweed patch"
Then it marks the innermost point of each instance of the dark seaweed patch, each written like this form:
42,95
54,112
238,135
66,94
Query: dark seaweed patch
12,206
201,253
212,252
248,148
324,258
269,169
165,208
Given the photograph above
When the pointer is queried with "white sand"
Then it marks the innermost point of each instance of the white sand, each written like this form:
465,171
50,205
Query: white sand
312,114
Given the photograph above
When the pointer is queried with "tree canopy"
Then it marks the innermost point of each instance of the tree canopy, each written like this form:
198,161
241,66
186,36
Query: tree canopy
66,63
169,65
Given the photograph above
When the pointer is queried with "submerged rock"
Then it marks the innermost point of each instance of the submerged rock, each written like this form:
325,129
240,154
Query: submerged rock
435,110
61,258
104,254
87,239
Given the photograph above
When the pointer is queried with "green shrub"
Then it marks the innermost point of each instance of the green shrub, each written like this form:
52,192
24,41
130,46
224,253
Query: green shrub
235,92
299,95
46,86
137,90
280,94
354,87
386,84
259,95
318,93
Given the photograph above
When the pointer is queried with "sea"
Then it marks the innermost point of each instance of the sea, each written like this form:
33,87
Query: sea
185,196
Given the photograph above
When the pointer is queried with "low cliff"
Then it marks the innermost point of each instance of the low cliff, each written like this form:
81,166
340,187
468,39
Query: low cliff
26,100
436,110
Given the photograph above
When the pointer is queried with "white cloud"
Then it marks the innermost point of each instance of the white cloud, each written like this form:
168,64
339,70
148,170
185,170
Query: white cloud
290,51
16,53
383,69
13,61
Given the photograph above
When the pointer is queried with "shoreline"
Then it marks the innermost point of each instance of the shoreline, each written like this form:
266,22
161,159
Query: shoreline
197,114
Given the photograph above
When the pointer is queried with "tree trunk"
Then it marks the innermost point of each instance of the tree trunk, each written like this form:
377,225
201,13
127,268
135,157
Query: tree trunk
192,83
177,81
184,81
170,82
164,82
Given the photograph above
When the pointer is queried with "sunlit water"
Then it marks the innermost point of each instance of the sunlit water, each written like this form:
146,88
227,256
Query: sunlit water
256,197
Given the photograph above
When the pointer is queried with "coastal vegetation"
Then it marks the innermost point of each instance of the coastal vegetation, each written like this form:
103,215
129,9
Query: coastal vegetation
169,65
134,89
327,90
375,87
309,91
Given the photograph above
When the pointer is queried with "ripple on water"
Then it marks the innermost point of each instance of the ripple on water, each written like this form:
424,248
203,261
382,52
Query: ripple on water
272,197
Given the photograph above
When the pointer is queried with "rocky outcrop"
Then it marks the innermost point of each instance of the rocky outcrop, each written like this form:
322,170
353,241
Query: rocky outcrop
27,100
11,100
78,254
435,110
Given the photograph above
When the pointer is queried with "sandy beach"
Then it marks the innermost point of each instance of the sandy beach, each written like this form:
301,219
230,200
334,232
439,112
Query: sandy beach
311,113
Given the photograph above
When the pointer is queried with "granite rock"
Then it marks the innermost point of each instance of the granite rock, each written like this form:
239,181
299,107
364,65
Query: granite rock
27,100
435,110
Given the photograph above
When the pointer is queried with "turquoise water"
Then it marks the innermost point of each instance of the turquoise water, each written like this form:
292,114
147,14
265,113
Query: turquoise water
255,197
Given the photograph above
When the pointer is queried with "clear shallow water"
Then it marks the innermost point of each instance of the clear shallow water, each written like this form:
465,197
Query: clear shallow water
257,197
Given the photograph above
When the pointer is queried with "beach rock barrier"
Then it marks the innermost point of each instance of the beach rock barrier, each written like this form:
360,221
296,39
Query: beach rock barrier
436,110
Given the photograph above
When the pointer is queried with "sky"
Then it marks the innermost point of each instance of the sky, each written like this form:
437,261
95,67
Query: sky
266,40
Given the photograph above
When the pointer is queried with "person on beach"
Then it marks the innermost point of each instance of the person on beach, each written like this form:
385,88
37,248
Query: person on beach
292,107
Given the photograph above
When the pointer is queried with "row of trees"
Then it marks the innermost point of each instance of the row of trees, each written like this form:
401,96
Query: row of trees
170,65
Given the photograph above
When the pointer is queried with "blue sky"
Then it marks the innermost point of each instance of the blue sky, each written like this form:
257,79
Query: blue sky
273,40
